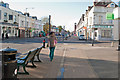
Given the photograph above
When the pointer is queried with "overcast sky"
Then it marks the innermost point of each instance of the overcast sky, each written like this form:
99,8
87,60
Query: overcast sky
63,12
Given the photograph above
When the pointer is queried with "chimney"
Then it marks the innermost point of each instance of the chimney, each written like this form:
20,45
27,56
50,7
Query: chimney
89,8
95,2
27,14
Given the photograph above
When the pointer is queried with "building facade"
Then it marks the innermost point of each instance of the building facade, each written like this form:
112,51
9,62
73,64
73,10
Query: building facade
95,25
16,24
8,22
116,29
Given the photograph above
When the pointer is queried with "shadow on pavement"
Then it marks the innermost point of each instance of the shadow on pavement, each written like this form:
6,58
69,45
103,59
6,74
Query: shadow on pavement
47,69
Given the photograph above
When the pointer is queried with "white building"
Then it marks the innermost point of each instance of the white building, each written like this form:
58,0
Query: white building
116,28
38,27
16,24
98,27
80,26
8,21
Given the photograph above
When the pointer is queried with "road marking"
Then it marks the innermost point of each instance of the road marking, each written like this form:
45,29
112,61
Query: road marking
61,73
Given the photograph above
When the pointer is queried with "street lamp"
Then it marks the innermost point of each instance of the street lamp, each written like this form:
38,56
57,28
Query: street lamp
26,21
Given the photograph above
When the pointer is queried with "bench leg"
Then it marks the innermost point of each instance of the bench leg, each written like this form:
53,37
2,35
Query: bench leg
33,64
18,67
25,72
38,58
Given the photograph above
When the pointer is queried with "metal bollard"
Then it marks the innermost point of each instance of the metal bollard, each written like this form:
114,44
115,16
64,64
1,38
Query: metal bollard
112,44
44,43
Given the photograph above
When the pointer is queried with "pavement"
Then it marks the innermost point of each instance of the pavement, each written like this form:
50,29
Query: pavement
72,60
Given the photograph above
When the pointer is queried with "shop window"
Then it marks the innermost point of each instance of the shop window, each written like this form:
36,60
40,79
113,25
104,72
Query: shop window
106,33
9,30
95,34
13,31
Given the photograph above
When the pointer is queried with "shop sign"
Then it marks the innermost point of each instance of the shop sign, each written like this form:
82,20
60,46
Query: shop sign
102,27
109,16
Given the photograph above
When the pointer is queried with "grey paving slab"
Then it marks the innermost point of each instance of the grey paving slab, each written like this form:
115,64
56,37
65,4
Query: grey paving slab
104,62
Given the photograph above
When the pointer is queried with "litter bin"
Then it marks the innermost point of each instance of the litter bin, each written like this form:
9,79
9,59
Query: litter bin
9,64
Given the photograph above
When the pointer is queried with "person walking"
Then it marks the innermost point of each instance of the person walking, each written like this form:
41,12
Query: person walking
52,41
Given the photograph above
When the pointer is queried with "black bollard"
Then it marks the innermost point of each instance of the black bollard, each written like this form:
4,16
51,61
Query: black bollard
44,43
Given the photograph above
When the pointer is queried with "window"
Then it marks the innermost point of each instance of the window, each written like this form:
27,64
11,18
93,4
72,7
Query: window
15,18
95,34
13,31
90,20
5,16
100,19
106,33
22,23
27,24
9,30
10,17
112,5
111,21
0,14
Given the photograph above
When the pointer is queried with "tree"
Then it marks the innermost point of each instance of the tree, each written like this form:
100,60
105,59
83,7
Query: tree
46,28
45,22
60,28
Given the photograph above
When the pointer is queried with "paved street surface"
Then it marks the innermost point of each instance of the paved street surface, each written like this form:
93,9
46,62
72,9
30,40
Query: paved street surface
73,59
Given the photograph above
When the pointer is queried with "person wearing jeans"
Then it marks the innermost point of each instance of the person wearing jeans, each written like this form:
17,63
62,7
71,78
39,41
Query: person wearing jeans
52,43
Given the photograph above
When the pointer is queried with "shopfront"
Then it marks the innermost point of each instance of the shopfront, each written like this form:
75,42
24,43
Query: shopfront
102,32
21,32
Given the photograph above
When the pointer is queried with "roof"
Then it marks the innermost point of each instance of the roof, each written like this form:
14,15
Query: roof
104,4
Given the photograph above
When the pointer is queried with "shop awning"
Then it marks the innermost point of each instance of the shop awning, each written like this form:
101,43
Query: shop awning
84,27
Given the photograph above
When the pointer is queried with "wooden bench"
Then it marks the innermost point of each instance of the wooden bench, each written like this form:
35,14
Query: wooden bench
25,60
37,54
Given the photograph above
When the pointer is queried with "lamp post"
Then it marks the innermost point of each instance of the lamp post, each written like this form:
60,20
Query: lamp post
26,21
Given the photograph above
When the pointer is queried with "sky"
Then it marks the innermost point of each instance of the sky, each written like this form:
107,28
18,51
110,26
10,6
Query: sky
63,12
